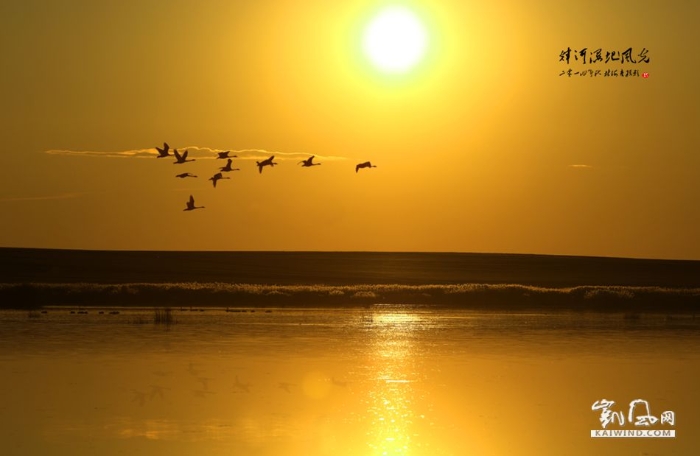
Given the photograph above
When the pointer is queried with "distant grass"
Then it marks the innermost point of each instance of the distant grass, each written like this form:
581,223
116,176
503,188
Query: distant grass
465,296
163,316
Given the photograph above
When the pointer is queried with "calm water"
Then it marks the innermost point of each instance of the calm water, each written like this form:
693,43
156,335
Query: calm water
381,381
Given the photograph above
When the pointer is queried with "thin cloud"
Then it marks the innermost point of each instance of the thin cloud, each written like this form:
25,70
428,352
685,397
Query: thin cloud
257,154
94,153
195,152
581,166
42,198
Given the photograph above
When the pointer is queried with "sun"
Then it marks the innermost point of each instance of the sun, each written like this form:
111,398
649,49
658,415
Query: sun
395,40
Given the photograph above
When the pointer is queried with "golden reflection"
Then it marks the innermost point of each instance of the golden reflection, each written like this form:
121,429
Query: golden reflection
391,400
397,321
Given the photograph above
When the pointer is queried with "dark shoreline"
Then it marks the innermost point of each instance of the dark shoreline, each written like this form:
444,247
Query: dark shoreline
483,297
339,268
34,278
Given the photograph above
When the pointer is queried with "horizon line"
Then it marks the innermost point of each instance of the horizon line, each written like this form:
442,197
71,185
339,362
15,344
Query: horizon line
426,252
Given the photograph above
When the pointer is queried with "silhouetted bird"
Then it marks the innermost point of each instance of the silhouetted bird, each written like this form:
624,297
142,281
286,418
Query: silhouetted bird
285,386
139,397
157,391
191,206
364,165
308,162
224,155
204,381
193,371
162,153
180,159
183,175
267,162
216,177
228,168
242,386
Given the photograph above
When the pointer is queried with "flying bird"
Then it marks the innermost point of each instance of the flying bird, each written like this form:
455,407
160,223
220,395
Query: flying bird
264,163
228,168
191,206
180,159
285,386
139,396
183,175
216,177
162,153
191,369
242,386
308,162
157,391
224,155
364,165
205,382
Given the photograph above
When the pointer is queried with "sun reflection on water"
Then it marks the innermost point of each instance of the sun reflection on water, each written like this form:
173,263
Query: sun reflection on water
391,408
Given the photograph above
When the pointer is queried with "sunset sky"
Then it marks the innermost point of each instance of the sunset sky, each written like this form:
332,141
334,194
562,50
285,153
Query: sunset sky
481,147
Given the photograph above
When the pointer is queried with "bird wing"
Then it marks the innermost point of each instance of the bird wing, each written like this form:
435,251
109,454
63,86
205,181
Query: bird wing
184,155
177,155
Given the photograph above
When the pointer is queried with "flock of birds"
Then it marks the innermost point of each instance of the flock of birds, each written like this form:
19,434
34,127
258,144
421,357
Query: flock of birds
182,158
159,392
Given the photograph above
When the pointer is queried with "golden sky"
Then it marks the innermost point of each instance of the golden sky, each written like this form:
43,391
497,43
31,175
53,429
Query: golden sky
482,147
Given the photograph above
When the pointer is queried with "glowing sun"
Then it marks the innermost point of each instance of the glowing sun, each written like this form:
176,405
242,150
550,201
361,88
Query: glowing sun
395,40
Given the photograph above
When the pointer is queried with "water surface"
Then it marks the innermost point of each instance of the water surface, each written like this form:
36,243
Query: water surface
390,380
